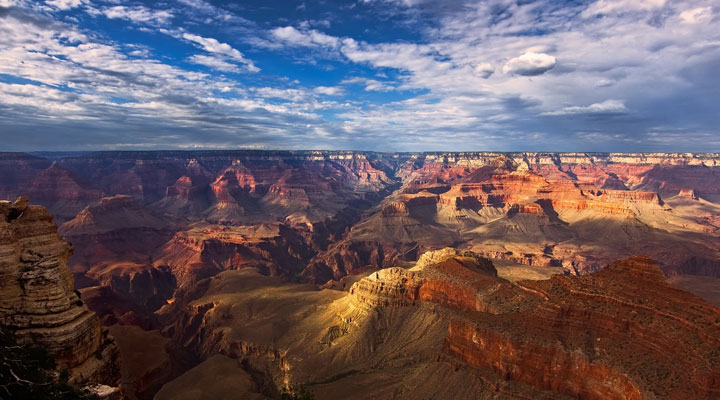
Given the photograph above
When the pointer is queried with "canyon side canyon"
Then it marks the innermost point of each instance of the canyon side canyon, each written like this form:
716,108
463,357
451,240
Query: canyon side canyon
238,274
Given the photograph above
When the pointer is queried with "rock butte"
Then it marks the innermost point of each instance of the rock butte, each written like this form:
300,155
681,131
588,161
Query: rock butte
37,299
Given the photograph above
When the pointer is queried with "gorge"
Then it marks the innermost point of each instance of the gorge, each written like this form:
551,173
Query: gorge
362,273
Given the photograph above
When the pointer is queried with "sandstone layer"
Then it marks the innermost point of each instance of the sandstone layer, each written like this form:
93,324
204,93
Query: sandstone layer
37,299
450,328
576,211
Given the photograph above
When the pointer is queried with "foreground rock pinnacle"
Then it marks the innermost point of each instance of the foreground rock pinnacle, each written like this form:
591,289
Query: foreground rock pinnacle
37,300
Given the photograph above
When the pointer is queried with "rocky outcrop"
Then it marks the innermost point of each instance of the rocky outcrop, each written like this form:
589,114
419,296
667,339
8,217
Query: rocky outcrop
449,277
577,324
204,251
114,241
61,191
621,333
16,170
37,300
570,373
112,214
575,210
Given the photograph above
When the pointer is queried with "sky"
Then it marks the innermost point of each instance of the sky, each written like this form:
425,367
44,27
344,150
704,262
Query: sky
381,75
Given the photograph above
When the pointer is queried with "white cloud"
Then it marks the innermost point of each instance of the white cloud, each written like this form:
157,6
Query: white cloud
696,15
329,90
214,46
285,94
484,70
650,58
214,62
530,64
371,85
308,38
406,3
64,4
620,6
138,14
606,107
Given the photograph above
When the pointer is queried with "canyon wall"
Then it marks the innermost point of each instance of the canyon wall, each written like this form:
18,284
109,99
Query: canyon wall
37,299
448,327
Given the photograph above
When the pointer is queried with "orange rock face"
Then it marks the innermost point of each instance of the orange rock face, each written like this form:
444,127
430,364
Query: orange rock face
575,210
115,239
37,300
546,367
621,333
609,335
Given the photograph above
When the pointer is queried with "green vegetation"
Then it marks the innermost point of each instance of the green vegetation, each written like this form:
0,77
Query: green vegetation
29,372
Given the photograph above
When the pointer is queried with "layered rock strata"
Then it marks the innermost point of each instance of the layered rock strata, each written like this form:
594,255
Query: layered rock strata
339,213
450,328
37,300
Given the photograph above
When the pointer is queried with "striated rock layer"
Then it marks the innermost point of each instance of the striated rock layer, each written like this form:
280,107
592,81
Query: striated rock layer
114,241
37,299
572,210
450,328
144,223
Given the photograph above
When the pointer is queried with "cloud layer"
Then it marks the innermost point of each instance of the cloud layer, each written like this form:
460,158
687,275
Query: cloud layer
605,75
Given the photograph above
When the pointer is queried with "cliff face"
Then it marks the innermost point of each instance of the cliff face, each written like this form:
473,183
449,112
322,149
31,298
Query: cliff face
450,328
574,210
114,241
37,300
610,335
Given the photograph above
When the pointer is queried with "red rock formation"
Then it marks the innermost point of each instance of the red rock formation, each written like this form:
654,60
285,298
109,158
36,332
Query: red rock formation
16,170
37,300
548,367
115,239
61,192
594,317
186,198
589,207
622,333
449,277
204,251
516,209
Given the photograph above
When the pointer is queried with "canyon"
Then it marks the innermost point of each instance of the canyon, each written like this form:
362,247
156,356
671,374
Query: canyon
392,275
449,327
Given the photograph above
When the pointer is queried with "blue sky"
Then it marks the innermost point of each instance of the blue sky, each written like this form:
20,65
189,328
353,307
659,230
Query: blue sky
385,75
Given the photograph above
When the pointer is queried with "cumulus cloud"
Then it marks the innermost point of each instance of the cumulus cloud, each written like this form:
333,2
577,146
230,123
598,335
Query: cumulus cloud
607,107
696,15
329,90
530,64
86,94
371,85
213,62
457,77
